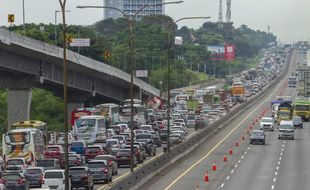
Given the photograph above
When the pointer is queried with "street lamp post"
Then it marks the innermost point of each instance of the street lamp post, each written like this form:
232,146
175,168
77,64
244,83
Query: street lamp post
130,44
169,68
24,27
63,10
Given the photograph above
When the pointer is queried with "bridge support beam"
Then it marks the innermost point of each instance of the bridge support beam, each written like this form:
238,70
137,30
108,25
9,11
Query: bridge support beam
19,101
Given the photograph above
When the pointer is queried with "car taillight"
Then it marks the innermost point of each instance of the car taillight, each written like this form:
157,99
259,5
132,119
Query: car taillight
105,171
42,180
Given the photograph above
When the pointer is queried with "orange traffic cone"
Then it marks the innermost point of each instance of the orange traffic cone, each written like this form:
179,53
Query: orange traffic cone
214,166
197,187
237,143
225,158
243,138
251,127
230,151
206,177
247,131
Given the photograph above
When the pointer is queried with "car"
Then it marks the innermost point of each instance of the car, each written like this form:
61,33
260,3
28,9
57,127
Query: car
48,163
286,130
127,136
176,138
146,127
266,124
112,146
34,175
93,151
76,160
54,151
121,138
54,179
297,121
123,157
137,151
150,146
16,165
78,146
190,120
81,176
258,136
15,181
111,160
156,138
100,170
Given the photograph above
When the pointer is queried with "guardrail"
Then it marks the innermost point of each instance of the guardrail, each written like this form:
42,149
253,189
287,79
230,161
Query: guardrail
147,171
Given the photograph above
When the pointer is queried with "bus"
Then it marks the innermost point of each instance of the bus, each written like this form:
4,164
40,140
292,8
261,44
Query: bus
138,114
36,124
91,129
79,112
25,143
109,110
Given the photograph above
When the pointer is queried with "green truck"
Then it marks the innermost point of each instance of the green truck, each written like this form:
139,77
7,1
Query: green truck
302,109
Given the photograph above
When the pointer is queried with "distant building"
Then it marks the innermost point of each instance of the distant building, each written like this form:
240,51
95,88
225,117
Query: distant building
131,6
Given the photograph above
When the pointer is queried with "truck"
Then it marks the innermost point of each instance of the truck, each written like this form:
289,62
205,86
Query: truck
302,109
285,111
292,81
238,91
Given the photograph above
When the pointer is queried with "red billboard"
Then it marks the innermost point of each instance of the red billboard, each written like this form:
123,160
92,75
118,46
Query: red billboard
222,52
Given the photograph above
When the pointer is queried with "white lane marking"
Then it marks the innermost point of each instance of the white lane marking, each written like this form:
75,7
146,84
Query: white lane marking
242,157
277,168
232,171
283,145
281,153
280,158
284,142
245,152
275,173
236,165
239,161
279,162
272,187
222,184
248,148
274,179
282,149
227,178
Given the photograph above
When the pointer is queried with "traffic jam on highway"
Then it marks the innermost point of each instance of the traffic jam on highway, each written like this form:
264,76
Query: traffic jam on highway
100,139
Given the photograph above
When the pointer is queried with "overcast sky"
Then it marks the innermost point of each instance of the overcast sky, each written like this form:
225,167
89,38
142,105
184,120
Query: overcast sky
288,19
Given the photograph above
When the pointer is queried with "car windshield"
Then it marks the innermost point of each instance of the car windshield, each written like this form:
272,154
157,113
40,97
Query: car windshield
53,175
302,107
75,171
33,171
191,117
267,120
297,119
110,143
257,134
286,127
15,162
85,125
143,136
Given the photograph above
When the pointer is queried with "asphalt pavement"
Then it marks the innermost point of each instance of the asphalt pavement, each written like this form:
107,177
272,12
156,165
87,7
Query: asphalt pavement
270,166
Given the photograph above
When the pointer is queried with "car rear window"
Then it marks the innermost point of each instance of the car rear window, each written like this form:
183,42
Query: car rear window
97,164
77,171
15,162
53,148
33,171
93,148
77,144
73,157
11,177
51,175
45,163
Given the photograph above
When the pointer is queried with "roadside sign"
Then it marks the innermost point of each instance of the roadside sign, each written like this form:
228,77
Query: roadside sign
178,40
80,42
141,73
69,39
107,55
11,18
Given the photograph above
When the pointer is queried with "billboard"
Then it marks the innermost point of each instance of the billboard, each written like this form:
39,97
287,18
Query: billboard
222,52
141,73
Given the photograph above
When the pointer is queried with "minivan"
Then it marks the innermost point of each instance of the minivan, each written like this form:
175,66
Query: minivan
286,129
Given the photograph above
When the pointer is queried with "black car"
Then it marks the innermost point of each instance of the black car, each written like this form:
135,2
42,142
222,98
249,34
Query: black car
81,176
258,136
48,163
15,181
35,176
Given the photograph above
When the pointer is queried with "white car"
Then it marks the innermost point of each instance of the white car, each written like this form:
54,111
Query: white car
54,179
266,123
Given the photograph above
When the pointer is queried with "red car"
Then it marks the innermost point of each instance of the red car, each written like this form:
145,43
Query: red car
93,151
54,151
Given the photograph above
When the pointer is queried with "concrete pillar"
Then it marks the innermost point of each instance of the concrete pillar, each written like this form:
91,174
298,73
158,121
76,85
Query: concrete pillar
19,101
71,107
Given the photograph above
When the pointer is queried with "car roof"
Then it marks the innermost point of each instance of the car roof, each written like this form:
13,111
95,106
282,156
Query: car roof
78,167
34,167
59,170
267,118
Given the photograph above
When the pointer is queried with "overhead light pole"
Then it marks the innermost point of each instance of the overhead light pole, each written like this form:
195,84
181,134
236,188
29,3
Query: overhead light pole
130,44
172,25
24,27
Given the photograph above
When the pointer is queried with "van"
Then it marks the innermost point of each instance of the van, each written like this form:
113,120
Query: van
286,129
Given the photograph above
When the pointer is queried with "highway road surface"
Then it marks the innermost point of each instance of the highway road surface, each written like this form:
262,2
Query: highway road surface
280,164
